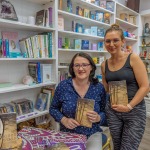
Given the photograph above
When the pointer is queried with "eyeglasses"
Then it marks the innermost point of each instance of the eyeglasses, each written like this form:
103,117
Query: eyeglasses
115,41
84,66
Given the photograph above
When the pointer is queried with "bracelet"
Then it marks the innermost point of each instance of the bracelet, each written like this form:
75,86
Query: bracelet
129,106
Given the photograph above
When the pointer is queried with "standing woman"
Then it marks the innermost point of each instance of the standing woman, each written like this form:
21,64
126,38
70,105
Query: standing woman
82,84
126,122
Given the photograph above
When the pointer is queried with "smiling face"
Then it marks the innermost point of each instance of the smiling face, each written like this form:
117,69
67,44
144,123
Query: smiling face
113,42
82,68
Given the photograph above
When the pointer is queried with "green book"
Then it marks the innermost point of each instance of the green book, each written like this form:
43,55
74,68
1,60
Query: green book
5,84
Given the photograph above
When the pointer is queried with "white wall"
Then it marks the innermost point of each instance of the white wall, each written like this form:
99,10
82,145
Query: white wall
144,4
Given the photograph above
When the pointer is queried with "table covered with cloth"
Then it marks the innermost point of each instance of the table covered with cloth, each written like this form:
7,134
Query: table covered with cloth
36,138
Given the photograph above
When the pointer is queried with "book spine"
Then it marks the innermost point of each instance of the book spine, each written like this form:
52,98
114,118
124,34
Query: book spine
38,73
4,48
7,47
50,45
50,9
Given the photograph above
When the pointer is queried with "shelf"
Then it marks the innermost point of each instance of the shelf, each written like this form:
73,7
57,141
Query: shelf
92,6
84,20
76,35
23,26
31,115
145,13
125,24
124,9
130,39
26,59
66,67
40,1
87,51
144,46
63,67
19,87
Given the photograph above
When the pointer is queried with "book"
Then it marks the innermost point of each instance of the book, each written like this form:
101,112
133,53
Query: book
85,44
35,71
103,3
41,102
8,131
83,106
13,41
60,22
118,92
49,93
40,18
77,44
107,18
5,84
110,5
46,72
99,16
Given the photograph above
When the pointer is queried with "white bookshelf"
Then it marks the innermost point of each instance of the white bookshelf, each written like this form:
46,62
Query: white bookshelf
19,87
86,51
15,69
65,55
82,19
127,26
31,115
77,35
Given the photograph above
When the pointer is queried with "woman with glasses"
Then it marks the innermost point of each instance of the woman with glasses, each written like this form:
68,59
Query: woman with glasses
82,84
125,78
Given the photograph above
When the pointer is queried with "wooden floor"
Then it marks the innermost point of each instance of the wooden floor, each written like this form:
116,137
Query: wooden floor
145,143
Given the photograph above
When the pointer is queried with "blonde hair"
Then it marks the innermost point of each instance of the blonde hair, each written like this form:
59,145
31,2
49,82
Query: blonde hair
115,27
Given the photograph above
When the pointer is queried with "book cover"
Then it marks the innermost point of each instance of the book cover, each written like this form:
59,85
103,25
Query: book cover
79,11
118,92
13,41
99,16
41,102
77,44
8,131
46,72
83,106
94,30
103,3
107,18
85,44
60,22
86,13
110,5
79,28
40,18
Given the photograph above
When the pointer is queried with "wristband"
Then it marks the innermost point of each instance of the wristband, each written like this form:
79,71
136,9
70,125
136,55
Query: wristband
129,106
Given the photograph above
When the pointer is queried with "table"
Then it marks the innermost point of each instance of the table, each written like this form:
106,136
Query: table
34,138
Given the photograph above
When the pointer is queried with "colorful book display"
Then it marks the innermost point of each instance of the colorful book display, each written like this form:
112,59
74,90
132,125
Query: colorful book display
10,43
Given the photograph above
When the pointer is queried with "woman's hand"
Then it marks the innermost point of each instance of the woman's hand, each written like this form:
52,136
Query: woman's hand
93,116
69,123
120,108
